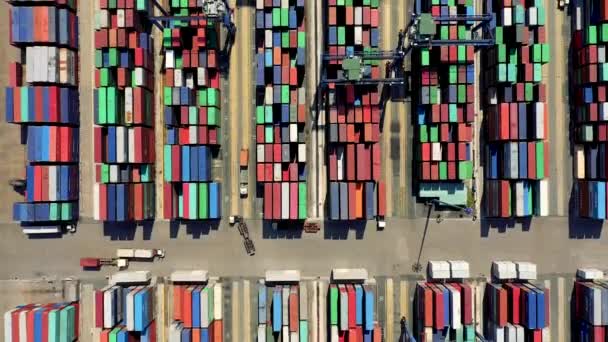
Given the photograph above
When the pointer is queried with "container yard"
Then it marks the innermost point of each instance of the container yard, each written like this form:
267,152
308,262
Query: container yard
372,136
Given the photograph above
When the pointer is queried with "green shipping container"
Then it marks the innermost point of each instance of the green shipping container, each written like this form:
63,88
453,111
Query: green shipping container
259,115
213,116
591,38
425,56
203,200
434,133
462,93
54,209
167,163
546,53
303,331
465,170
424,136
285,95
66,324
529,92
375,3
302,201
341,35
469,333
540,160
268,134
210,310
501,72
443,170
301,39
603,72
268,114
54,327
604,33
24,95
114,334
333,305
276,17
66,211
453,112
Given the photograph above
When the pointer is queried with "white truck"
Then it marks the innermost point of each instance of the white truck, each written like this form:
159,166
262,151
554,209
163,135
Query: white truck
128,253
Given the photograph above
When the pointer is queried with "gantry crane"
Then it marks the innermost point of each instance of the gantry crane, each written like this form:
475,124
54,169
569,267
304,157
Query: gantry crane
214,11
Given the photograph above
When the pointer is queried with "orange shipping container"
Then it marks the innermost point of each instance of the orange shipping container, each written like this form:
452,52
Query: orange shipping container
187,307
294,310
218,329
359,200
244,157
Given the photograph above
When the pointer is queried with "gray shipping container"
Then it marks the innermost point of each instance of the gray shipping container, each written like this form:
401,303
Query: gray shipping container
285,302
343,201
334,210
343,309
303,302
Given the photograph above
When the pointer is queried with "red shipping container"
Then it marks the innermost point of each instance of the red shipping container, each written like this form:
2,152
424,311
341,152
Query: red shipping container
276,201
505,190
187,304
168,202
269,172
45,322
532,160
351,198
30,325
381,199
451,170
294,302
425,296
466,297
186,211
438,308
376,170
352,304
138,195
218,330
105,335
98,309
260,172
514,299
350,162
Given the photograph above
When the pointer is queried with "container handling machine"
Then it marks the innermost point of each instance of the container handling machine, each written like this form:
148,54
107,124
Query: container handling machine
214,11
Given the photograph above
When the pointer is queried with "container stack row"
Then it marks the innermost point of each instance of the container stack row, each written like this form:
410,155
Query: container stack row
42,96
125,313
352,313
445,111
516,311
57,322
353,114
282,313
192,112
517,120
444,311
280,111
123,135
197,313
590,113
590,317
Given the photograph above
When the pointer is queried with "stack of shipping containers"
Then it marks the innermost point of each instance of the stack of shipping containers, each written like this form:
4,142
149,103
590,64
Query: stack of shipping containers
444,109
42,96
516,311
124,112
57,322
590,116
197,313
351,313
444,311
125,313
353,112
590,317
280,108
192,108
516,113
282,313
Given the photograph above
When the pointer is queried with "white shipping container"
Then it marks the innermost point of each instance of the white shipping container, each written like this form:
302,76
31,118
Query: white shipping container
268,39
262,333
514,159
498,332
128,105
428,334
175,332
579,162
113,171
340,154
526,270
532,16
335,336
343,274
459,269
8,326
193,134
285,202
507,16
358,35
29,64
438,269
504,270
23,326
302,153
543,197
456,309
178,78
510,333
358,16
260,154
108,311
205,307
595,305
343,309
169,59
201,77
285,334
578,18
268,95
51,55
120,16
546,334
259,4
435,151
189,79
303,298
139,77
589,274
284,3
293,132
130,307
217,301
285,305
103,18
129,277
282,276
52,190
131,145
96,214
601,54
519,199
519,333
277,172
301,95
604,111
539,110
294,337
121,154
